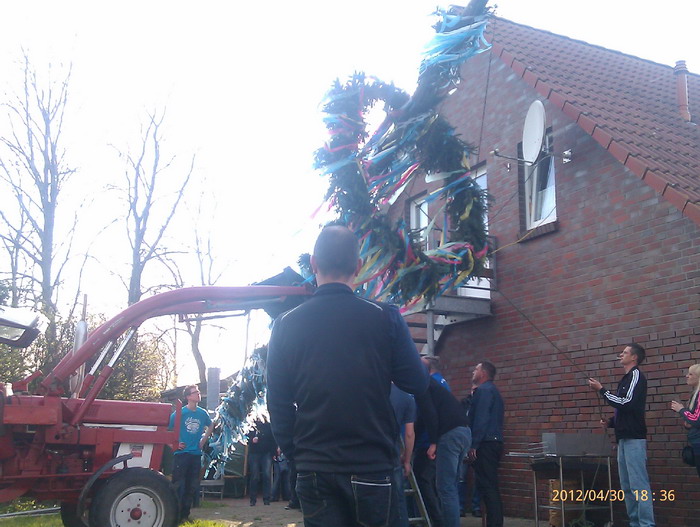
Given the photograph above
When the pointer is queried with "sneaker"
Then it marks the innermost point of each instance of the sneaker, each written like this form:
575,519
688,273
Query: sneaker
266,502
252,503
292,505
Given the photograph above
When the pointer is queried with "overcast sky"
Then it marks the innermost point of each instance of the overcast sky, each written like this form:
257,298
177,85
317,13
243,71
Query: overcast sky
242,82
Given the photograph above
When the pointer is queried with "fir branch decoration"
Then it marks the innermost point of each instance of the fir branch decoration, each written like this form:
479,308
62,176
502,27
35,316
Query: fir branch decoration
368,173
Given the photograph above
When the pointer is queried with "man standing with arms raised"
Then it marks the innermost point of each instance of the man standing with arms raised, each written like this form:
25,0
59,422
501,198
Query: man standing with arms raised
630,401
331,362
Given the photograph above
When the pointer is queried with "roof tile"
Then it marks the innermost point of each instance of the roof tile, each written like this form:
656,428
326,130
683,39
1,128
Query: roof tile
571,111
530,78
556,99
675,197
619,151
655,181
637,166
602,136
692,211
586,123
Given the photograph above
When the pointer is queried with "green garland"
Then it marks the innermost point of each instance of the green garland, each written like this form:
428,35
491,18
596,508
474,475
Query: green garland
366,174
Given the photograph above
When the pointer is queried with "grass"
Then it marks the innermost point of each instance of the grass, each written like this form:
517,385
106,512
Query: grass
47,520
54,520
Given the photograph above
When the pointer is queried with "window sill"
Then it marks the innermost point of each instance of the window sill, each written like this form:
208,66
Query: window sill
541,230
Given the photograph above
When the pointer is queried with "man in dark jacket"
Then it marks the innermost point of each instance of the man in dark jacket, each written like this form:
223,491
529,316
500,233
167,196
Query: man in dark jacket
441,414
486,419
331,362
261,450
630,401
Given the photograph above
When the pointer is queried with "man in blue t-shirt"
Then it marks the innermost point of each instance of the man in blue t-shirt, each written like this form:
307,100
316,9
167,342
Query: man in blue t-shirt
195,430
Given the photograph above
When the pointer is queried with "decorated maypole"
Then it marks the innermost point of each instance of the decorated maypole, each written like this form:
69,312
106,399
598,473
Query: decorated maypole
369,173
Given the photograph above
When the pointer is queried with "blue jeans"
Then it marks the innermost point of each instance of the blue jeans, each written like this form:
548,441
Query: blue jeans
260,464
403,506
632,465
452,447
348,500
186,479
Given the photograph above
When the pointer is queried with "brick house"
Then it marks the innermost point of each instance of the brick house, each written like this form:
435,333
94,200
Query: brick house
599,244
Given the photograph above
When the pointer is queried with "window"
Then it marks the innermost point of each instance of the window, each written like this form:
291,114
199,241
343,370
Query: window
540,196
419,221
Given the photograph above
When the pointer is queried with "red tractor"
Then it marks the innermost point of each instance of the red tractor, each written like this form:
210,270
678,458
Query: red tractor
101,458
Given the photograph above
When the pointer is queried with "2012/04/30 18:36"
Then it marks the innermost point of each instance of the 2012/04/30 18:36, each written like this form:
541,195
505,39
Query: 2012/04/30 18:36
593,495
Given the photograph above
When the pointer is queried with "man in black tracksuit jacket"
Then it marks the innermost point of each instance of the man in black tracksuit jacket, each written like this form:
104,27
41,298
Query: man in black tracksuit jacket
630,401
331,362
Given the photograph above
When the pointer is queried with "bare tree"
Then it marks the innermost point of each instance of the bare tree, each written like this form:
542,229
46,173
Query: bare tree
34,170
147,176
207,275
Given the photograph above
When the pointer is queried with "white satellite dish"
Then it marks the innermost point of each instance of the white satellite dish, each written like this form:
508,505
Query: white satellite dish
533,132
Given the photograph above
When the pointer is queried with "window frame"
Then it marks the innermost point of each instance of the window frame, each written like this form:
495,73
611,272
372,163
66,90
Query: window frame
544,166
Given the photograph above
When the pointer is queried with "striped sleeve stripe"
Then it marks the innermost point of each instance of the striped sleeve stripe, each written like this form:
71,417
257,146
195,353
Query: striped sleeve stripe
628,397
695,415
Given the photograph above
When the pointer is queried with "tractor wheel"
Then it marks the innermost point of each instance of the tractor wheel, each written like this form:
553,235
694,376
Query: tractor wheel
69,515
135,496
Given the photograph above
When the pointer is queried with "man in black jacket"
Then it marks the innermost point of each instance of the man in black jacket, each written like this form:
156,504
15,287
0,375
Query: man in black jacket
261,450
629,401
486,419
331,362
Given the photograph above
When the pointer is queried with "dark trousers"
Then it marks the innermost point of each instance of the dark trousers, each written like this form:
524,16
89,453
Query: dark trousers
260,465
488,457
186,479
696,452
293,498
348,500
280,480
425,472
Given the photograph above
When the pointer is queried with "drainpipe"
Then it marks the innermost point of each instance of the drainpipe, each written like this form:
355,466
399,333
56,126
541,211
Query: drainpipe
681,73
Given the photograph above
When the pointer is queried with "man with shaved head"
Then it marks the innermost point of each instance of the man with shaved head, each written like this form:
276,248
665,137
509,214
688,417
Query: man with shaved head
331,363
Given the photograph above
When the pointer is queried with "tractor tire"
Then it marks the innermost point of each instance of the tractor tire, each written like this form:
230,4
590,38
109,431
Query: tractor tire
69,515
135,496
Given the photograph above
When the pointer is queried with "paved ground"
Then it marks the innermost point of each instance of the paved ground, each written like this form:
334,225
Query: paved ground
237,513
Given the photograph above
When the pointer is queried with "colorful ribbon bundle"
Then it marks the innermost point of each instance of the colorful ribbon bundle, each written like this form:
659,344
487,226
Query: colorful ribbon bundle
235,414
369,173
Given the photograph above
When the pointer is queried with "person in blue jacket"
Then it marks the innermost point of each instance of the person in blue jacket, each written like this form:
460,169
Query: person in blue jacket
486,418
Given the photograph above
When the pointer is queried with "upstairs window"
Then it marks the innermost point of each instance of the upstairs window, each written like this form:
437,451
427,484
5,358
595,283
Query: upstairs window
540,195
419,221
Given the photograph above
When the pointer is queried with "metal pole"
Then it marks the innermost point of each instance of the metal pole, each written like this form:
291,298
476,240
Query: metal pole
431,332
213,388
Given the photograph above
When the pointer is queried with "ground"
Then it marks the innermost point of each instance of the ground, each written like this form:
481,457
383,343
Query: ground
238,513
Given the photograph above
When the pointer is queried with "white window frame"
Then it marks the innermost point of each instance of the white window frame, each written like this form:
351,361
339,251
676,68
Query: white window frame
540,188
419,219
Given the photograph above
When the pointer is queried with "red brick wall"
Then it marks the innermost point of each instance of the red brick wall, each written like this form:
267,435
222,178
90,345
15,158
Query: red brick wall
623,265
